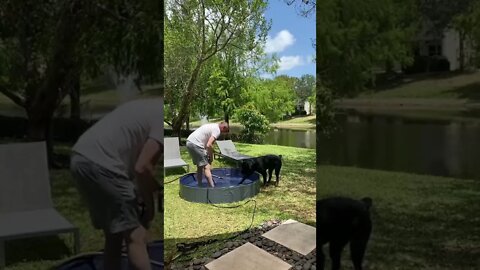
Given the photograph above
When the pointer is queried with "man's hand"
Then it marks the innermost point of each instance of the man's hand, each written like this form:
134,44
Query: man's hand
145,170
148,213
210,149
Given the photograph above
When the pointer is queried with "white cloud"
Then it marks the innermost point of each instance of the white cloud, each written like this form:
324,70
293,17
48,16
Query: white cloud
290,62
280,42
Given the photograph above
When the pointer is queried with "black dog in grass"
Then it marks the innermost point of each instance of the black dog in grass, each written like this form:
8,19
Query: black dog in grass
340,221
261,165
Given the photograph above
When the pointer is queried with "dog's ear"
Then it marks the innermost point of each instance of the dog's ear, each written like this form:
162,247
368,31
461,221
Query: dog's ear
280,156
368,202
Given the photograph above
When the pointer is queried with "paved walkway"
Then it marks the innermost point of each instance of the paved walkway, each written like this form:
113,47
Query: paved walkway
291,234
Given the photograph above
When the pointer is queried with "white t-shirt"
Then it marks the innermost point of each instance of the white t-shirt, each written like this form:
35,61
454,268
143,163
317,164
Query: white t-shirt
116,140
202,134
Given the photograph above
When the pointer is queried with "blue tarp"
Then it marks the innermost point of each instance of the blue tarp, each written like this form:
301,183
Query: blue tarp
94,261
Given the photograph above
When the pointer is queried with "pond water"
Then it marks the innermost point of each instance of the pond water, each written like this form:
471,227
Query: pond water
303,138
445,147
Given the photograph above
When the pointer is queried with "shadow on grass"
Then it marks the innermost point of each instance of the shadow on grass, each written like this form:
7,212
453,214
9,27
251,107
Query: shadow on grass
210,245
385,82
470,92
36,249
427,223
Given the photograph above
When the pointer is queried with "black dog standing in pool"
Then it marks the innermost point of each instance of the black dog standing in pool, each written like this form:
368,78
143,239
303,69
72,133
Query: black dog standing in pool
261,165
340,221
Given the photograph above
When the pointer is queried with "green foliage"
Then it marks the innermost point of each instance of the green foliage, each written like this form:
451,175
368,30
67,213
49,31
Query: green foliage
272,98
255,124
325,111
211,40
304,87
356,37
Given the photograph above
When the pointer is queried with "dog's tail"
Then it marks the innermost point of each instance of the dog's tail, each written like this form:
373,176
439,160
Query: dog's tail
368,202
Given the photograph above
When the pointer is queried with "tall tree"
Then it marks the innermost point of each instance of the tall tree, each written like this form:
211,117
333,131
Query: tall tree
46,45
354,38
304,87
197,31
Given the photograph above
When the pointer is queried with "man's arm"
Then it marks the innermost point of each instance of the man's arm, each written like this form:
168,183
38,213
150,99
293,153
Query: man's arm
210,143
145,171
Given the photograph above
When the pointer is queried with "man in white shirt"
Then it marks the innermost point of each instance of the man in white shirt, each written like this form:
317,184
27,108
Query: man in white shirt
200,147
113,164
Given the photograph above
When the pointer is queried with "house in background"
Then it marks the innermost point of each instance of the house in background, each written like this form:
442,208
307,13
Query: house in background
304,108
444,45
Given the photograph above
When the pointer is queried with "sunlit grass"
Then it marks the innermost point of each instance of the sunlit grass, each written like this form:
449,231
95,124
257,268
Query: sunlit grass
293,198
420,221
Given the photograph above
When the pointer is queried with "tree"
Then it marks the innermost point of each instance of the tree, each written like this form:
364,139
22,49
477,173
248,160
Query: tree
198,30
273,98
442,14
354,38
304,87
45,46
255,124
304,7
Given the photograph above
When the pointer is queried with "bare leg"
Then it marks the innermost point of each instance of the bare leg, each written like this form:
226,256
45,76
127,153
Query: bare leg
137,248
199,175
208,175
113,251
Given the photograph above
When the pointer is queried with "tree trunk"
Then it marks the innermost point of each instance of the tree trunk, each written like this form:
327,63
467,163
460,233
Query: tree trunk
226,117
461,59
74,94
40,129
186,100
61,66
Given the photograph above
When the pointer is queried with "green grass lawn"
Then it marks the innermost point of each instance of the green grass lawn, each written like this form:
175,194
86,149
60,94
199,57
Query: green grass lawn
45,252
420,222
293,198
439,91
300,122
444,86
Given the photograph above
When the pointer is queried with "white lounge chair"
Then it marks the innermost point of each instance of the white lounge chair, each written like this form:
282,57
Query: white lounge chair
26,207
172,157
228,150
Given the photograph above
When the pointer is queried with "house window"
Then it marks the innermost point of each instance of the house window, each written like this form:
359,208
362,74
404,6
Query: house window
434,50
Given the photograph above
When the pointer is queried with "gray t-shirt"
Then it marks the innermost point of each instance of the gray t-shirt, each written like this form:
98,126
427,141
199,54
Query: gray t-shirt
116,140
202,134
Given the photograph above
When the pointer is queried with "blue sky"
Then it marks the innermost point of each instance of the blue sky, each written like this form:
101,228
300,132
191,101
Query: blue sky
290,37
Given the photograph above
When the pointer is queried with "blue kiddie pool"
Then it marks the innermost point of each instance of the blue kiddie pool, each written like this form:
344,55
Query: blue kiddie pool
95,260
228,187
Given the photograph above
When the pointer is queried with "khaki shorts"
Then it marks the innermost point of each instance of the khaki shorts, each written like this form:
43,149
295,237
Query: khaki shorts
111,198
198,154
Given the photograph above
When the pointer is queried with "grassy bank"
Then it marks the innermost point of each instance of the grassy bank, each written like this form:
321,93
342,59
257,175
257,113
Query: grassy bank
46,252
299,122
420,222
293,198
451,91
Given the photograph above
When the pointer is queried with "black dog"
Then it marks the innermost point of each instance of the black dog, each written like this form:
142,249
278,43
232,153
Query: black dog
339,221
261,165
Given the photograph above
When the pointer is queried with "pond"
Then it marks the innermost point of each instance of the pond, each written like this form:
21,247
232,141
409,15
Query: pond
442,147
302,138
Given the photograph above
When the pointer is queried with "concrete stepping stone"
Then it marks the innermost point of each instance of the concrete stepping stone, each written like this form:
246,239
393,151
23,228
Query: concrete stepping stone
248,256
294,235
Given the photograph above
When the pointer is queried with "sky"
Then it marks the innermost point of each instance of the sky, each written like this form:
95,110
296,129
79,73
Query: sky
291,38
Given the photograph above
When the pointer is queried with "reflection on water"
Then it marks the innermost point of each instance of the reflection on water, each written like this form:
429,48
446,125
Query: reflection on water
289,137
305,138
437,147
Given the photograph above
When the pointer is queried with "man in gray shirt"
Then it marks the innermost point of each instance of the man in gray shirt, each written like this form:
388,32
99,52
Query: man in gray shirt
200,148
113,166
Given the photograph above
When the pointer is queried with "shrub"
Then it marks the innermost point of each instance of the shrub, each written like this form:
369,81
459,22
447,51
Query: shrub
255,125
